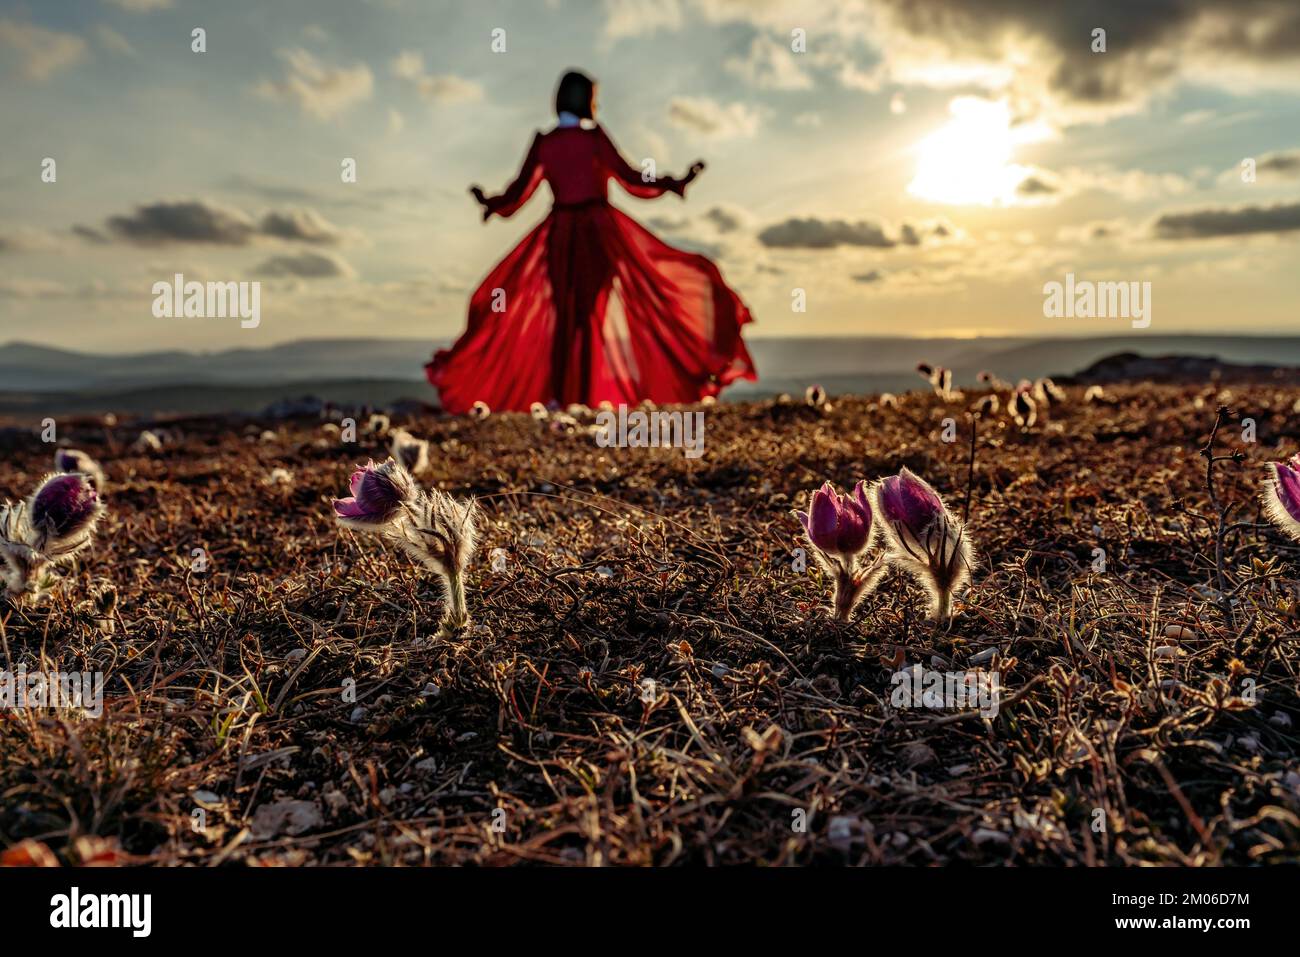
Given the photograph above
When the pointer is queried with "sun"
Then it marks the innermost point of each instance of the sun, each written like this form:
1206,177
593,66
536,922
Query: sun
968,160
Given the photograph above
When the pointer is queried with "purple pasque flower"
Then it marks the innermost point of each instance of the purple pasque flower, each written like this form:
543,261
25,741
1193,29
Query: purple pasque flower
839,528
908,502
438,531
1282,496
379,493
839,525
74,460
924,538
61,515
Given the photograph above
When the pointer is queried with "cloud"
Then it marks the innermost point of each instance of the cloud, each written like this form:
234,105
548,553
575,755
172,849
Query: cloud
305,265
1044,186
304,225
813,233
203,221
1285,164
1042,54
444,88
321,91
113,41
1096,231
873,275
193,221
771,65
1036,185
634,18
707,117
25,239
1270,167
140,6
1209,223
40,53
726,219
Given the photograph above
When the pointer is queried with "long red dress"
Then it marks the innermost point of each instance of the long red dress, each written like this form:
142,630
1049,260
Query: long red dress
591,306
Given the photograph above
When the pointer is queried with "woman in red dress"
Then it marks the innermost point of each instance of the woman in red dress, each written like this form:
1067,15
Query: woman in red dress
591,306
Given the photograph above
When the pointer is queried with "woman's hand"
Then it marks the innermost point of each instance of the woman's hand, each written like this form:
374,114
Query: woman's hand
477,192
679,186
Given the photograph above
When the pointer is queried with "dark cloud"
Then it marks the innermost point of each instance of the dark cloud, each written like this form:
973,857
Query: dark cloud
193,221
303,225
90,234
202,221
1227,221
306,265
1284,163
1037,186
1146,44
874,275
724,220
813,233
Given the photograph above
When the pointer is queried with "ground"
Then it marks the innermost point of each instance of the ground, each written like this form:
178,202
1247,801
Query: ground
290,702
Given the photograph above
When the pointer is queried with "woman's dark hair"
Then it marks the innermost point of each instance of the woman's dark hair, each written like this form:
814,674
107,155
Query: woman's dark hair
576,94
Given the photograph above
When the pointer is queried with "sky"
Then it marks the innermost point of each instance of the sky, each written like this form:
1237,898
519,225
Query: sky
883,167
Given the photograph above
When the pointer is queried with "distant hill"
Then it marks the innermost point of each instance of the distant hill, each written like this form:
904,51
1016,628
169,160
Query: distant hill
39,380
26,367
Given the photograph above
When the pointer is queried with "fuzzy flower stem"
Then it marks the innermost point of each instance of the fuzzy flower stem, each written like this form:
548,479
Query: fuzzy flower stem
455,617
845,593
970,469
943,606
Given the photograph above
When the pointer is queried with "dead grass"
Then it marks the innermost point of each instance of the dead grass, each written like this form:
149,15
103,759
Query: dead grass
624,565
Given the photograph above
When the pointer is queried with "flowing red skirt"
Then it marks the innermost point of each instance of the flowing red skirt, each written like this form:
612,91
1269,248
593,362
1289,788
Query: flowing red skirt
592,307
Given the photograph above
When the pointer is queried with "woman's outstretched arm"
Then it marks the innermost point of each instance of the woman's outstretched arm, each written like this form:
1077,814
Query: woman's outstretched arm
519,191
632,180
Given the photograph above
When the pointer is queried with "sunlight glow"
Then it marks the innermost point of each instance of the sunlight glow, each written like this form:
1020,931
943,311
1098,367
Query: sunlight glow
968,160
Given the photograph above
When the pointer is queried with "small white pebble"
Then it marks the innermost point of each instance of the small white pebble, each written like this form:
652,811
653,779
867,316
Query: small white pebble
839,831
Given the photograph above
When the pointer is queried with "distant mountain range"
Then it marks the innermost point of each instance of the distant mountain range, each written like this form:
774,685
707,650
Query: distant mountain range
59,381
